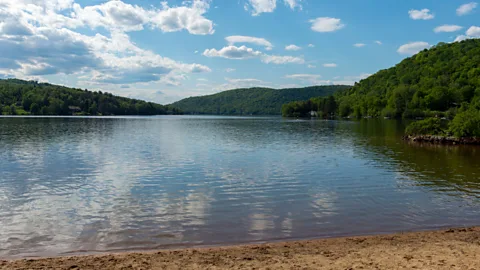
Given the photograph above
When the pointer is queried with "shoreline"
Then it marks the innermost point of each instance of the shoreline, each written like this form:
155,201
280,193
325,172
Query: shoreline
434,139
441,249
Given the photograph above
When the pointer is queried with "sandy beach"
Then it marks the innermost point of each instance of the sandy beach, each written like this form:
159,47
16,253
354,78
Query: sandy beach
445,249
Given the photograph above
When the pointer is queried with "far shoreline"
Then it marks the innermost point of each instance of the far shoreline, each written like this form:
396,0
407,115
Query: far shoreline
440,249
442,140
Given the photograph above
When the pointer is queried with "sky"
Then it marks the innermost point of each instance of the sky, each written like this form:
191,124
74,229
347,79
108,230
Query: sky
164,51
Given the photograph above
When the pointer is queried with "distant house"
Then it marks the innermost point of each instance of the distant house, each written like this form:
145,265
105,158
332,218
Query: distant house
74,109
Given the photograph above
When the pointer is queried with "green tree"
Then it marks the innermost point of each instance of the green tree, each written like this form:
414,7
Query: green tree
34,109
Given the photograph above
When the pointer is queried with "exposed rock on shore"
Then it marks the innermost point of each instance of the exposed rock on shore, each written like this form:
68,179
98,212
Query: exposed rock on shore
441,139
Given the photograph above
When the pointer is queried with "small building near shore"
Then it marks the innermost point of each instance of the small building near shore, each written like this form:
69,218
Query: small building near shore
74,109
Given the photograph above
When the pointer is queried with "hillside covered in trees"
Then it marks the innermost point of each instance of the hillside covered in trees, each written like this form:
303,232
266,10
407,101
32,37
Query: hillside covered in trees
30,97
251,101
443,81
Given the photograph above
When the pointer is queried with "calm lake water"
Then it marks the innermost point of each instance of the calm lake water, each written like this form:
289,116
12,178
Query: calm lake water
73,185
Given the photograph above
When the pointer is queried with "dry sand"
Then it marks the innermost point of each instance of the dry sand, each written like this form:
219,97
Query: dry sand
447,249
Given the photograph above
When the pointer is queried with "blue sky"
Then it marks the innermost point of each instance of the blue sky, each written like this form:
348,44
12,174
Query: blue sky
164,51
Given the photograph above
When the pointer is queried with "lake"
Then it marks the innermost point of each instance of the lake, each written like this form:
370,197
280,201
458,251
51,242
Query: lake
75,185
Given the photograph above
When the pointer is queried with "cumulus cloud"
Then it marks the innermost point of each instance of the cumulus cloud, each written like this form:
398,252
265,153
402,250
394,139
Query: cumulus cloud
326,24
233,52
311,66
330,65
292,47
378,42
261,6
461,38
293,4
474,32
232,40
243,52
423,14
466,8
38,38
311,46
117,15
447,28
191,18
413,47
359,45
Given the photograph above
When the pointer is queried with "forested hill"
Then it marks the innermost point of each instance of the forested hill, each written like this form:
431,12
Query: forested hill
442,82
438,80
31,97
251,101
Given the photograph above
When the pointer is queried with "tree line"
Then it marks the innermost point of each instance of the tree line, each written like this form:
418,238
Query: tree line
19,97
251,101
441,82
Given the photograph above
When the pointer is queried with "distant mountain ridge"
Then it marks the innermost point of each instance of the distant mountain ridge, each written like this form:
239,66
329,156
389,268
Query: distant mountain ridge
252,101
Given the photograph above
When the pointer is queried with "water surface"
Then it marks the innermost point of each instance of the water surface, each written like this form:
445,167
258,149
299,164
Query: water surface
72,185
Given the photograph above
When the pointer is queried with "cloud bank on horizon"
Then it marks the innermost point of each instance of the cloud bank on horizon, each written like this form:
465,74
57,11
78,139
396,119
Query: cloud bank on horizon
165,51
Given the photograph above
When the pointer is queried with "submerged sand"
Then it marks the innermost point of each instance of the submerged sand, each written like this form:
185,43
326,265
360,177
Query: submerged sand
447,249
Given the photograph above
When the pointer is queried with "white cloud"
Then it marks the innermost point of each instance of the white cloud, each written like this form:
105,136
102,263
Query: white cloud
311,66
330,65
378,42
232,40
116,15
413,47
423,14
474,32
447,28
233,52
293,4
37,39
195,52
461,38
172,19
292,47
466,8
279,60
230,70
359,45
311,78
326,24
243,52
311,46
261,6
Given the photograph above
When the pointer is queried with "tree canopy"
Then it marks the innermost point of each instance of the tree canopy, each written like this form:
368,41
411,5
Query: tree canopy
432,82
443,81
251,101
31,97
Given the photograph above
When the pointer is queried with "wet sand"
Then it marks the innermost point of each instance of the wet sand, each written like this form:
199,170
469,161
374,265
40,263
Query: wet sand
446,249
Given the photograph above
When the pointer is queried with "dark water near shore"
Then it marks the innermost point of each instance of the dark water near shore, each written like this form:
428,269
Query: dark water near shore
103,184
